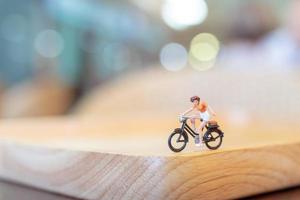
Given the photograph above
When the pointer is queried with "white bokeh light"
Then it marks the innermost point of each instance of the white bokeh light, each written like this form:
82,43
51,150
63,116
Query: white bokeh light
173,57
49,43
180,14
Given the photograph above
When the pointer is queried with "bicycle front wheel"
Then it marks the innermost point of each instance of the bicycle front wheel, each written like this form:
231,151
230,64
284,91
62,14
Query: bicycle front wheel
177,141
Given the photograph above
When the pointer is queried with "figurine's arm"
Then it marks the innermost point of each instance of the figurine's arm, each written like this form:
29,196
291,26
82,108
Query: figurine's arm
187,111
211,111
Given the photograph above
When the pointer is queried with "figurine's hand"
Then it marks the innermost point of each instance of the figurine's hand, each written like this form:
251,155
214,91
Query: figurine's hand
214,114
180,117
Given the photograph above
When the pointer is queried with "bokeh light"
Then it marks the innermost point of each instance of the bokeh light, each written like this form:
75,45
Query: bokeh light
203,52
173,57
201,66
49,43
180,14
13,28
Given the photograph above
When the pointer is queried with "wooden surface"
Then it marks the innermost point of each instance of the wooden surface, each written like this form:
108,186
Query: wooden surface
37,97
287,194
11,191
133,166
114,146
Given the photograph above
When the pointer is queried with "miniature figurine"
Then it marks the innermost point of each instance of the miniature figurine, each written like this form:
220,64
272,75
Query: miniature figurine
205,112
213,136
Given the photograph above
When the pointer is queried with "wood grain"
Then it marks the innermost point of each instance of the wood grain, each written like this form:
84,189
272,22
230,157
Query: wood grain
288,194
11,191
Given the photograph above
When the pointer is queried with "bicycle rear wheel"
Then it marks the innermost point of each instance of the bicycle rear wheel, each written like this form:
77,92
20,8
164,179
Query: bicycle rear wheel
214,139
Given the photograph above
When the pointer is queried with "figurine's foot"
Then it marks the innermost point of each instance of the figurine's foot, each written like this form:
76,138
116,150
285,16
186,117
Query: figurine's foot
197,140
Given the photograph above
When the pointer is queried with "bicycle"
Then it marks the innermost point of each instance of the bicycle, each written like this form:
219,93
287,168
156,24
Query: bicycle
212,138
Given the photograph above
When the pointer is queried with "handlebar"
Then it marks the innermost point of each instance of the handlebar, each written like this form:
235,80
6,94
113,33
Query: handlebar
183,118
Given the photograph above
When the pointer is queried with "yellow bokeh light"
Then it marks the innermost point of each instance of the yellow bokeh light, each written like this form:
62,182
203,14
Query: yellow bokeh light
201,66
204,49
206,38
204,52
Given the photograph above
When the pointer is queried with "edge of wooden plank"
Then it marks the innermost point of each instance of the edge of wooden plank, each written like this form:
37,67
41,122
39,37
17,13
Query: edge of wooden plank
94,175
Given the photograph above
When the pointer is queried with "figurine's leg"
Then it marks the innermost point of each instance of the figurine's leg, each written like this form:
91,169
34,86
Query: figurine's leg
200,128
205,117
197,138
193,123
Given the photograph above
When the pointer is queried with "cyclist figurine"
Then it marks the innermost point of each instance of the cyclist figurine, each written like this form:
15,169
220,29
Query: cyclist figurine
204,112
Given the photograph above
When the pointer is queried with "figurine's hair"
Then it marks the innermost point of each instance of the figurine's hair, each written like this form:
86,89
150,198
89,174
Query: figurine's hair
193,98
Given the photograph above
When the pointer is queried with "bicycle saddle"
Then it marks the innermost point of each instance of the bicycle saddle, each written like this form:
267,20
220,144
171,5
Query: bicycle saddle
212,123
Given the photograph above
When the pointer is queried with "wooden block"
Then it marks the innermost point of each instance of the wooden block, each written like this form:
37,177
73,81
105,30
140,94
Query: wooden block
9,191
101,158
291,194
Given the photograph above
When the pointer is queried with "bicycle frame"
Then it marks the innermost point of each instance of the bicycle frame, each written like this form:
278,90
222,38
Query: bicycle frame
188,129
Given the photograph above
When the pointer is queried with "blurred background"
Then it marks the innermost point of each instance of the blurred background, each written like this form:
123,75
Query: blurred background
132,66
60,57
